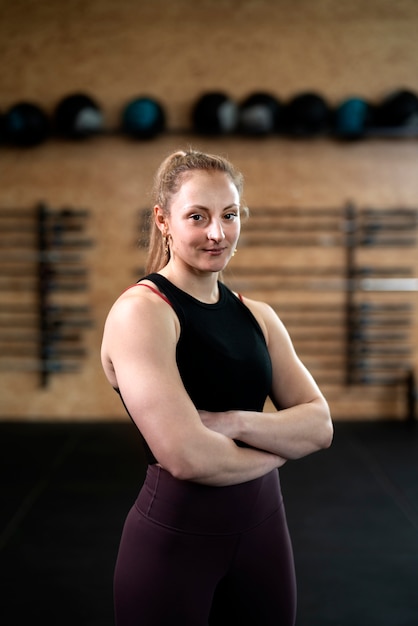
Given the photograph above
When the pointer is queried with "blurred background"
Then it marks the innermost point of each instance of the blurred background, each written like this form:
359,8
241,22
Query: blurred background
316,102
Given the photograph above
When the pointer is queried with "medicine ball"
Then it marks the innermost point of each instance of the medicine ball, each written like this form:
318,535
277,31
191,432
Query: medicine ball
78,116
307,114
143,118
26,124
214,113
398,109
259,114
353,117
2,125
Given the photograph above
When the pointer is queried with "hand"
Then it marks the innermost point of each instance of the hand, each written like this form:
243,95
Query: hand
226,423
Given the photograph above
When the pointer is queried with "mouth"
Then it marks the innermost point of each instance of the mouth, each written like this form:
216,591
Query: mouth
214,251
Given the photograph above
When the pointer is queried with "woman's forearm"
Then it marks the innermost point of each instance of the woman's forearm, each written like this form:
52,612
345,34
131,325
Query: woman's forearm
220,462
290,433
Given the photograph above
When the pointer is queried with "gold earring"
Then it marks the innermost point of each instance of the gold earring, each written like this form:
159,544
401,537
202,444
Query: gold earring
165,245
234,252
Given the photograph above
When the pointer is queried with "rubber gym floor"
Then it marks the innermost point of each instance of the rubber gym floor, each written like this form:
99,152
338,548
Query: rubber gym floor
66,488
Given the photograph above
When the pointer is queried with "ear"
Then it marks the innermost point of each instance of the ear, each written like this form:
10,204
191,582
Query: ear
160,220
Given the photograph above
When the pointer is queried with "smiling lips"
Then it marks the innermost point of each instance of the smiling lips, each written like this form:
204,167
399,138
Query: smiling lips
214,251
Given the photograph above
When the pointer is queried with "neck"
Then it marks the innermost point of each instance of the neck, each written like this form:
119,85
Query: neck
201,285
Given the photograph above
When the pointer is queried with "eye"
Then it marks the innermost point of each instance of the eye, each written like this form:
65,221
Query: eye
231,215
196,217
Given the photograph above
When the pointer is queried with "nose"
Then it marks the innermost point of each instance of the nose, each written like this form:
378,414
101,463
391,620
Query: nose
215,232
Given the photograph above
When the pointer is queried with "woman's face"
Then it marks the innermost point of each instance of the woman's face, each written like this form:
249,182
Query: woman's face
204,222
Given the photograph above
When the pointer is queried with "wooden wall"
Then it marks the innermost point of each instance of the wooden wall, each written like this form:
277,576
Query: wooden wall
174,51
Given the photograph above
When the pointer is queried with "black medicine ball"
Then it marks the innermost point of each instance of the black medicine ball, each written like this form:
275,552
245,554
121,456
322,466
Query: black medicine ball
214,113
25,124
307,114
78,116
143,118
259,114
398,109
2,125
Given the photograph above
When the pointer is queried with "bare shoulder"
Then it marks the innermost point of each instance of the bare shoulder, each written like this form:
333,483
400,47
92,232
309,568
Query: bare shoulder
140,322
140,305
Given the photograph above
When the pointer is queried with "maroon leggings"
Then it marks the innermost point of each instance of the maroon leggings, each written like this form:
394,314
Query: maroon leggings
195,555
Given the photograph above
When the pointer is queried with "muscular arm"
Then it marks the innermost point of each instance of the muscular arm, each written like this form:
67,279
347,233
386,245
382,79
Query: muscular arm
302,423
138,355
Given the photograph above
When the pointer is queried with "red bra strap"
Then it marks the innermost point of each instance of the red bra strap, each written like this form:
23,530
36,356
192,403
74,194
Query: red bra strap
152,289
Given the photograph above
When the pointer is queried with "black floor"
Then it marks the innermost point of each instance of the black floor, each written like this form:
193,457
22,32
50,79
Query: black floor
65,490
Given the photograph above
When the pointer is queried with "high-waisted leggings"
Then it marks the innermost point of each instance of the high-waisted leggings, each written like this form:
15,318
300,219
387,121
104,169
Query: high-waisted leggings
196,555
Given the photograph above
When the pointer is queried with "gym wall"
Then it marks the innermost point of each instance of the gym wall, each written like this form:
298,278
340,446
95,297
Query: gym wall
174,51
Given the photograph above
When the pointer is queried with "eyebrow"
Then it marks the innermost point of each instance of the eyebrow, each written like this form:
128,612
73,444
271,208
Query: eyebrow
188,207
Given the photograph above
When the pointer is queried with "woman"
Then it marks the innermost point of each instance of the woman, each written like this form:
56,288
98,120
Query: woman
206,541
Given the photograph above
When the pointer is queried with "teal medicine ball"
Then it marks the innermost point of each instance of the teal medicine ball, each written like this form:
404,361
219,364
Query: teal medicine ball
25,124
353,117
143,118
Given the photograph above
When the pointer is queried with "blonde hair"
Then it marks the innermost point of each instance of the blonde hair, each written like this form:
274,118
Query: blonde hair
167,182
